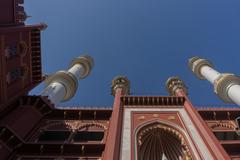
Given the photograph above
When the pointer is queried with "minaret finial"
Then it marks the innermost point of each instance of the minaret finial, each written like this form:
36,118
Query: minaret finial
120,82
174,84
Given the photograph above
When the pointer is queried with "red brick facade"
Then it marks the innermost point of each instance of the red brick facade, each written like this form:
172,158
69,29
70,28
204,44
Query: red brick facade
31,128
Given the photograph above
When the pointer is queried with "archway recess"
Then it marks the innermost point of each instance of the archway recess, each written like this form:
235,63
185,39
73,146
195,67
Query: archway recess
157,141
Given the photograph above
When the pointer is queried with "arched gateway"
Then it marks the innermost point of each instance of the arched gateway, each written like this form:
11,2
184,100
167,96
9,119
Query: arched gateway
158,141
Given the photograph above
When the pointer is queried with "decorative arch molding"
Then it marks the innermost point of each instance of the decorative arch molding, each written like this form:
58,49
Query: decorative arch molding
25,70
49,126
16,49
23,48
71,125
165,127
89,125
227,125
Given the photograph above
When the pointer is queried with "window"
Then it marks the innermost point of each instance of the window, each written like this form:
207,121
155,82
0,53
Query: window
227,136
14,75
17,73
11,50
85,136
54,136
15,49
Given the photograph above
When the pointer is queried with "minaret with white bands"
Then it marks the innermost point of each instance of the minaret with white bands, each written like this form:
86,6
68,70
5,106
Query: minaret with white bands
226,85
62,85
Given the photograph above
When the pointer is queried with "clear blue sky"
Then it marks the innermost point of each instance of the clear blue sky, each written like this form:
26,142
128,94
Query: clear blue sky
146,40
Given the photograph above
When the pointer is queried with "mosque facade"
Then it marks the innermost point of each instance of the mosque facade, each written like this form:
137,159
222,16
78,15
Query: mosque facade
137,127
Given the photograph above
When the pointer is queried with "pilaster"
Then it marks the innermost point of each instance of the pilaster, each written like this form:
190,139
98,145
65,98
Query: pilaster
120,87
177,87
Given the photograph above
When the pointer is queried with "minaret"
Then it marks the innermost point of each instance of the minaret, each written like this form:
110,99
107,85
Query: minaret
120,87
176,87
226,85
62,85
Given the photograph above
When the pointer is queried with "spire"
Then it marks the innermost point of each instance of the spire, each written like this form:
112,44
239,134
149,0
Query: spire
175,84
226,85
62,85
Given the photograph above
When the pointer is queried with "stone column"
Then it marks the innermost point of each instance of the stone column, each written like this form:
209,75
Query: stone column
62,85
120,87
226,85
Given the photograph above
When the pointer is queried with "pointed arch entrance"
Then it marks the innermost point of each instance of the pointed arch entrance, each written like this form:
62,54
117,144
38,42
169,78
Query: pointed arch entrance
158,141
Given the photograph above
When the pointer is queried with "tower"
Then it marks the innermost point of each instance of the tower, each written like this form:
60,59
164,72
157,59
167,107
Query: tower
20,59
20,71
62,85
226,85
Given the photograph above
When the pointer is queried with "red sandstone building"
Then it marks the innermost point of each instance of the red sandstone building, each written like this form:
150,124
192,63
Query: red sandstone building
136,128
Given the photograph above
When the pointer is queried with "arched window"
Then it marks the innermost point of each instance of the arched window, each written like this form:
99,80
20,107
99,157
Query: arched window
89,133
14,74
227,135
54,131
52,135
17,73
15,49
11,50
161,142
